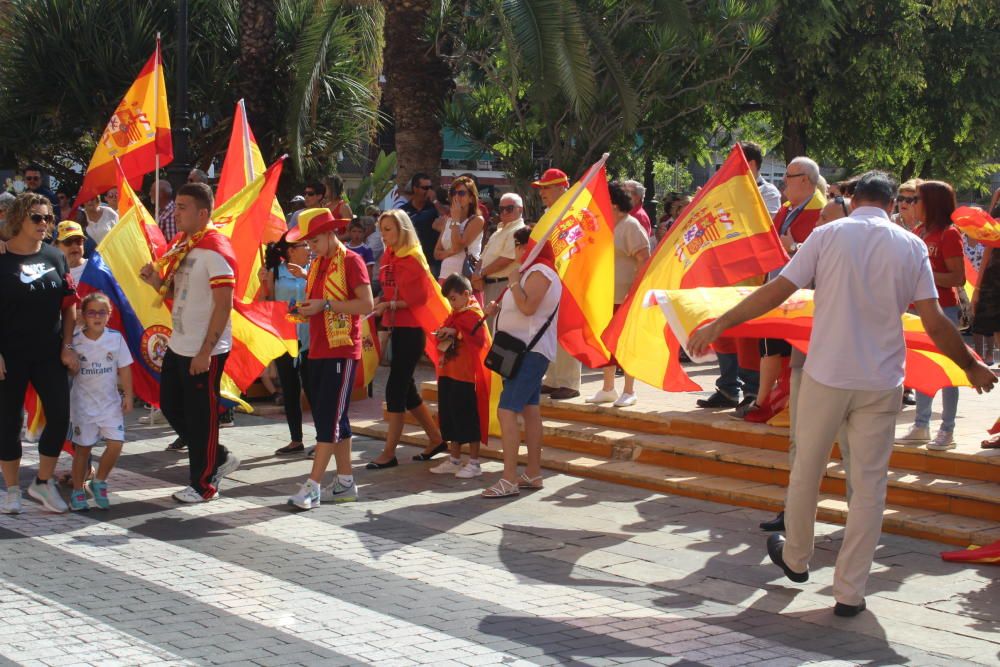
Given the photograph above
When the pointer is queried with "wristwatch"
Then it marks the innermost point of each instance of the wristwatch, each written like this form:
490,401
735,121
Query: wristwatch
327,306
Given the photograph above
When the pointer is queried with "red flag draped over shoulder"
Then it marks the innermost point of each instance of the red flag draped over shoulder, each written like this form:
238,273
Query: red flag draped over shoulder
417,287
725,235
579,230
137,134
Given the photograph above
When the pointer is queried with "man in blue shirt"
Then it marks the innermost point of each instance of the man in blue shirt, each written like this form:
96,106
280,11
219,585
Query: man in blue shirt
423,213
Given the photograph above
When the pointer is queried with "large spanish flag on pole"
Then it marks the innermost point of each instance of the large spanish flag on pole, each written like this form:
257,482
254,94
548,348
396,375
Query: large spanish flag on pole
580,229
927,370
725,235
244,163
137,134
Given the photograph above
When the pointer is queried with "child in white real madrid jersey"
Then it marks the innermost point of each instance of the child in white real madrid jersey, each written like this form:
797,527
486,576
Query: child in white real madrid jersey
96,408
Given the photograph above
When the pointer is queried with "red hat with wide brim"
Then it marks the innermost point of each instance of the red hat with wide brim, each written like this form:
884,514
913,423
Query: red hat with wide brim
552,177
315,221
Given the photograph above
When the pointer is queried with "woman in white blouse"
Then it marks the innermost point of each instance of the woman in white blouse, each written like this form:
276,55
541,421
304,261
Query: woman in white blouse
463,233
97,219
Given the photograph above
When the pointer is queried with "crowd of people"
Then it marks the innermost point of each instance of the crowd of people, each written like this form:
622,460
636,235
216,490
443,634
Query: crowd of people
335,268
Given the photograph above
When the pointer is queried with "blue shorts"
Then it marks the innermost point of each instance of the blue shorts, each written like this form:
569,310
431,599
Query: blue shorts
524,388
332,381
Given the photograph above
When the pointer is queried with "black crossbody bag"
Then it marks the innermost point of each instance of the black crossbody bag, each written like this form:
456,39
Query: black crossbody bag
507,352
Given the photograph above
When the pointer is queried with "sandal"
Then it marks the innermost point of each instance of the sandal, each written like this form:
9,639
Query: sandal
992,443
290,448
502,489
525,482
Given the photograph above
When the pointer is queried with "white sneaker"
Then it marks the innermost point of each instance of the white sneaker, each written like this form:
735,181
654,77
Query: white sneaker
943,441
603,397
469,471
308,496
48,495
190,496
11,501
916,435
153,418
626,400
227,468
446,467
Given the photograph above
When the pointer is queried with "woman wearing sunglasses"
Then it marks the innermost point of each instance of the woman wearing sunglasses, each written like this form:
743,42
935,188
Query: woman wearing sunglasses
463,233
35,347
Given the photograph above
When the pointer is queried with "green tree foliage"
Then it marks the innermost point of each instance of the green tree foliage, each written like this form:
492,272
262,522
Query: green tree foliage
60,84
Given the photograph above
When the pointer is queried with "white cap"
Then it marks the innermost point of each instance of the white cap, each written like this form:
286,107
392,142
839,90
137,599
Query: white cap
513,198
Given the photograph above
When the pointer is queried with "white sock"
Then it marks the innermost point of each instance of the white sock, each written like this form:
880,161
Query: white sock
345,480
312,484
474,462
456,461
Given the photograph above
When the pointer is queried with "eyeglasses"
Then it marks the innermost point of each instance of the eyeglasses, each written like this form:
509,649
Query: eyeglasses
308,193
787,176
77,240
95,313
507,209
39,218
459,193
907,200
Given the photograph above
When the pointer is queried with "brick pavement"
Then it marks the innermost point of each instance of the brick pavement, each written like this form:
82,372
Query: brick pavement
422,571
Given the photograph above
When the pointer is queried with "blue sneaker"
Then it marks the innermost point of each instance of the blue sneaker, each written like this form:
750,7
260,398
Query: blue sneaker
99,492
78,501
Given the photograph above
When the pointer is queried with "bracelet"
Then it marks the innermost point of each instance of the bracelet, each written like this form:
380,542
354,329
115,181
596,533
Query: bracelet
392,305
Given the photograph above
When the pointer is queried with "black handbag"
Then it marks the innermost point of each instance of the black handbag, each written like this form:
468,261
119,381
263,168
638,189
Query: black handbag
507,352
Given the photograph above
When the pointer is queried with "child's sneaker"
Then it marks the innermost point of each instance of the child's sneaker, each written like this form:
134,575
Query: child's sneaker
469,471
308,496
48,495
78,501
98,490
447,467
11,500
338,493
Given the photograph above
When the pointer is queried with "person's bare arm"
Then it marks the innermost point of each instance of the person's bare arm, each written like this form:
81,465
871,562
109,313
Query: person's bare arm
765,298
222,306
125,380
361,304
68,357
954,276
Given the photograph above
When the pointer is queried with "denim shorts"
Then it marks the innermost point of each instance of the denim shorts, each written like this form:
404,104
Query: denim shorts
524,388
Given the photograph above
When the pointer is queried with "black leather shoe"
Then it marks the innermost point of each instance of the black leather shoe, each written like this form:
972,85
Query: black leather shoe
563,393
434,452
717,400
391,463
775,545
775,524
849,610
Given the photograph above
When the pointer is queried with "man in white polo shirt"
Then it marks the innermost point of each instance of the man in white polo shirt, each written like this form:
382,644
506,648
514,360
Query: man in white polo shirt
867,271
497,259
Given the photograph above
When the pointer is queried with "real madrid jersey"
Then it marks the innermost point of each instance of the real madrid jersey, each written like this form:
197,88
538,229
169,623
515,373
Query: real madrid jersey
94,397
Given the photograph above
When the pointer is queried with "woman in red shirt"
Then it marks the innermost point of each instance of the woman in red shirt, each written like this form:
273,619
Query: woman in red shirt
935,204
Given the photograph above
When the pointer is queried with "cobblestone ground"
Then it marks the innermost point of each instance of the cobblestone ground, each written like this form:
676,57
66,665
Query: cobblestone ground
422,571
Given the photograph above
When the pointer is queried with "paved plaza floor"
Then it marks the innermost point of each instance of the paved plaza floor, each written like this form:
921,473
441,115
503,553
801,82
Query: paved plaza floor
423,571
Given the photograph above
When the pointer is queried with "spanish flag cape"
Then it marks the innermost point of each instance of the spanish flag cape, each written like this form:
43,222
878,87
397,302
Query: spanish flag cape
977,225
484,377
806,221
415,284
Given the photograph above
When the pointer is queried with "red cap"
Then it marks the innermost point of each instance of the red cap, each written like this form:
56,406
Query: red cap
315,221
552,177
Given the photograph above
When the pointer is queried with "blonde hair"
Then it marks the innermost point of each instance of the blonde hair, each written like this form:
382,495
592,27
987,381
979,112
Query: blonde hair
21,208
911,185
96,296
407,233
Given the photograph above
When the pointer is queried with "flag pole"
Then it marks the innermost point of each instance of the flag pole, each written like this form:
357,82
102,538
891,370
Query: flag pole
156,125
579,187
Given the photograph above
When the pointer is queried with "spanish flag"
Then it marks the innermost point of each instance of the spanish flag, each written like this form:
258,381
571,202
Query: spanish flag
243,164
244,219
371,352
927,370
137,134
977,225
415,284
579,228
725,235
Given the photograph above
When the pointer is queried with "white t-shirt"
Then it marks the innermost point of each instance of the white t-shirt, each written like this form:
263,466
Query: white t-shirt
99,229
94,398
524,327
193,302
867,272
771,195
76,272
453,264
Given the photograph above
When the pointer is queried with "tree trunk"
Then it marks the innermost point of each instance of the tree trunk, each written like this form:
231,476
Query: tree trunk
256,69
908,170
417,82
793,138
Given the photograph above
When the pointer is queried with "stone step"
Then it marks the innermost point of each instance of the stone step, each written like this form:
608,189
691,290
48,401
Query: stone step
915,522
983,465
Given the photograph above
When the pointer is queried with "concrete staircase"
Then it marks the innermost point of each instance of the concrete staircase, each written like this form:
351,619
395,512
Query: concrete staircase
951,497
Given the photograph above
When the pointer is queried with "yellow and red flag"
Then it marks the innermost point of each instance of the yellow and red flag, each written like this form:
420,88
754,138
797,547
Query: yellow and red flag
138,135
417,287
725,235
977,225
927,370
371,352
580,230
244,218
243,164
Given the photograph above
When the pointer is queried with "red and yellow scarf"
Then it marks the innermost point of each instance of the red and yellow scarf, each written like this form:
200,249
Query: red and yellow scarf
336,325
208,238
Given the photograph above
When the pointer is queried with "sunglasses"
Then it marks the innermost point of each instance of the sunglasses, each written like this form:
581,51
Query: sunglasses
308,193
38,217
459,193
507,209
95,313
907,200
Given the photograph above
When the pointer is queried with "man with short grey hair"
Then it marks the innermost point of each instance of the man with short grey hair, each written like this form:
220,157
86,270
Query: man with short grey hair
6,199
638,192
499,254
867,271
